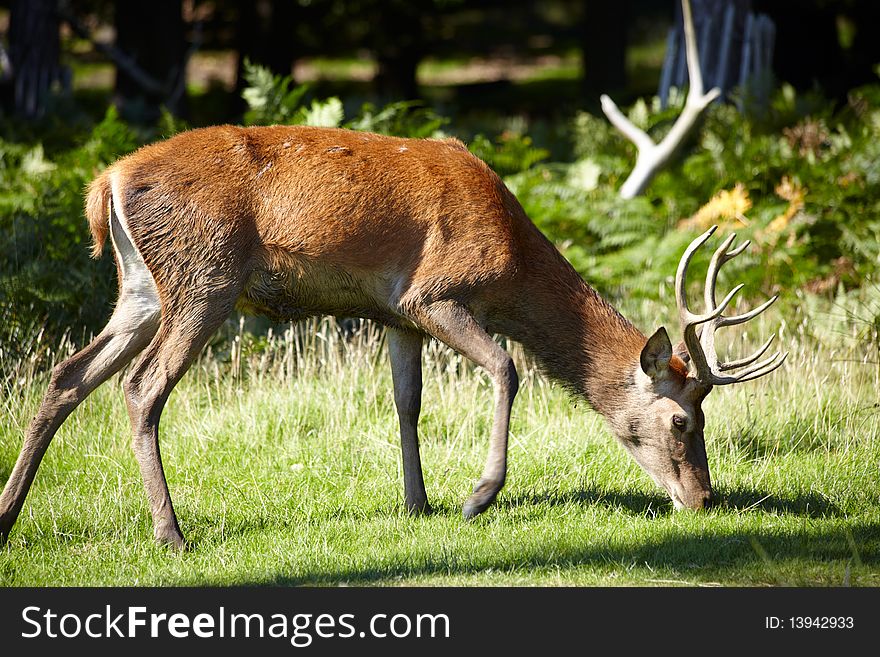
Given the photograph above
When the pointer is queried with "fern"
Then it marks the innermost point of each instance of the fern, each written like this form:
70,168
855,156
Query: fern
509,153
270,98
324,113
403,119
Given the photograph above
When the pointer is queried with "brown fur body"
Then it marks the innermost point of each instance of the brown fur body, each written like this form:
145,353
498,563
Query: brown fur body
313,221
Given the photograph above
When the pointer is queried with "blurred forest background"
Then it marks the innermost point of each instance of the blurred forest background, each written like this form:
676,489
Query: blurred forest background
789,156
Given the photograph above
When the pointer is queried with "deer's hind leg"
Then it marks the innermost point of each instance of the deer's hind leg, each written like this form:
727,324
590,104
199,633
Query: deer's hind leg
187,324
131,327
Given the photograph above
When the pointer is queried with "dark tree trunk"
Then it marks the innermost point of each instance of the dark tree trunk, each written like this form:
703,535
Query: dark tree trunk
716,39
152,35
808,48
396,75
34,50
265,35
604,39
398,38
864,54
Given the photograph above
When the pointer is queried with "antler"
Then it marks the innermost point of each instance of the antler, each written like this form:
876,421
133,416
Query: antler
701,344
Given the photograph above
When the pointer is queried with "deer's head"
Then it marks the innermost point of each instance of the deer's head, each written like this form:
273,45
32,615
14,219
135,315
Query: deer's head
661,426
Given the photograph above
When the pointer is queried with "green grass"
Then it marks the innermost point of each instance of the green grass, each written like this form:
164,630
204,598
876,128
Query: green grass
284,466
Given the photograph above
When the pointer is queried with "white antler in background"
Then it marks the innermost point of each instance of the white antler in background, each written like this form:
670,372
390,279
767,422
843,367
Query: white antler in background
651,156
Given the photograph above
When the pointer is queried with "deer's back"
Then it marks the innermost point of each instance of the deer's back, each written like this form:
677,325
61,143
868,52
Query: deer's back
329,220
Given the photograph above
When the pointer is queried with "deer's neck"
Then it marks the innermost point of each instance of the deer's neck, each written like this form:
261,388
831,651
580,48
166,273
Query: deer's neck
576,337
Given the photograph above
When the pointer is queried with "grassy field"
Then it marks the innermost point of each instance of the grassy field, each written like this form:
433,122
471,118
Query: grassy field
284,466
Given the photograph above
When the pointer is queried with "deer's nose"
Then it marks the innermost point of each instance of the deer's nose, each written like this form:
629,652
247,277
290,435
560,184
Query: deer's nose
707,498
696,500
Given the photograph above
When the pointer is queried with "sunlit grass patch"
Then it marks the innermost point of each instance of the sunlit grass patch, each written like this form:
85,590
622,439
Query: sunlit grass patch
283,460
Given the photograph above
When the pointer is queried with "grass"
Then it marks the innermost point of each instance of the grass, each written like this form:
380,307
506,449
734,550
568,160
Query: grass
283,461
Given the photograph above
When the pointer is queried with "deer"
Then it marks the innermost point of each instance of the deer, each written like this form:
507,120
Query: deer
419,235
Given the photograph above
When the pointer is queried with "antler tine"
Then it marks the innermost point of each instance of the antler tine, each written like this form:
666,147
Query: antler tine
718,258
681,276
716,313
757,367
742,247
758,370
739,319
751,376
742,362
706,338
689,320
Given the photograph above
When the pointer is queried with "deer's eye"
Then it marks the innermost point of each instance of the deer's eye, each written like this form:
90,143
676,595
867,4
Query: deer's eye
679,422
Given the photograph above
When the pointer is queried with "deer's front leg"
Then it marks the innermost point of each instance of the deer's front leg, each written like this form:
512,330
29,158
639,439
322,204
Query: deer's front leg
453,324
405,349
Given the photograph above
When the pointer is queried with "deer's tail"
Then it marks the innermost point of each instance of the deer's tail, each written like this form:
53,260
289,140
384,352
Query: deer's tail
98,212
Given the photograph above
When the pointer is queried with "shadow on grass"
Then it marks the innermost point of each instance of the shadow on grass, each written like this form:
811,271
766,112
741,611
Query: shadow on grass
638,503
634,503
808,505
770,555
711,552
652,505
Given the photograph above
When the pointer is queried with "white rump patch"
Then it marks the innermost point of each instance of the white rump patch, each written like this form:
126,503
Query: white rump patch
136,317
139,297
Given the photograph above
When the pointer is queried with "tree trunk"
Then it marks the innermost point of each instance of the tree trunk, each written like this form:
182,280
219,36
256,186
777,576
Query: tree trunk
396,74
153,35
265,35
864,54
808,49
34,50
399,45
604,39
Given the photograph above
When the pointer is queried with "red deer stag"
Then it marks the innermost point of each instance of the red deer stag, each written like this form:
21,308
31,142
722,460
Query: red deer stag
419,235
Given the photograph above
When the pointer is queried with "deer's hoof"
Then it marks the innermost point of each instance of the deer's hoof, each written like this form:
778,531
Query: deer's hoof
484,495
5,528
419,508
171,539
475,505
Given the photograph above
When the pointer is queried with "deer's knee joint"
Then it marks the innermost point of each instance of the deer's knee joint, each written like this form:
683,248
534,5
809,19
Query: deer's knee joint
62,390
131,388
507,378
136,396
409,415
55,381
59,379
408,401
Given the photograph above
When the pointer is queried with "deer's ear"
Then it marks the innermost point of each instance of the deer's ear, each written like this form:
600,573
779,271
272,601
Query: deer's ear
656,354
681,351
